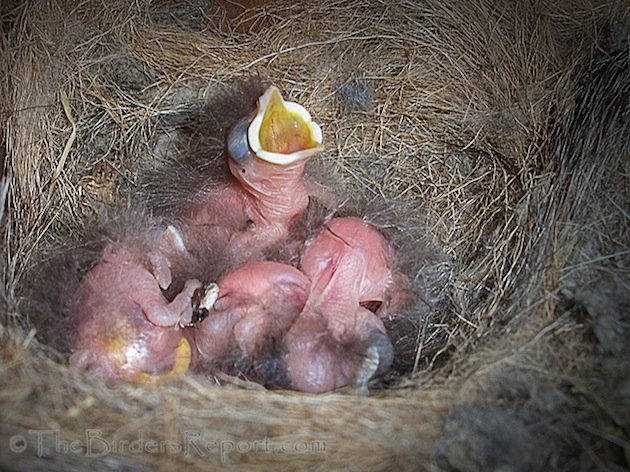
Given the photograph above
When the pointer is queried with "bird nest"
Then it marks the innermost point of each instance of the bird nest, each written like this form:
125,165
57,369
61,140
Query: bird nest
495,135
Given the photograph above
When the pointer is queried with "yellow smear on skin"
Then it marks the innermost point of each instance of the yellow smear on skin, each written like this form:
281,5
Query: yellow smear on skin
116,345
180,366
283,131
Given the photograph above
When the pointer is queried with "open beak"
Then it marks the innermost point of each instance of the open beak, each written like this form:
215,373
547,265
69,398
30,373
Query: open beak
282,132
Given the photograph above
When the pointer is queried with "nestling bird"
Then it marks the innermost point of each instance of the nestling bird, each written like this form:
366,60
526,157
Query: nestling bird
314,320
336,340
267,152
255,305
124,327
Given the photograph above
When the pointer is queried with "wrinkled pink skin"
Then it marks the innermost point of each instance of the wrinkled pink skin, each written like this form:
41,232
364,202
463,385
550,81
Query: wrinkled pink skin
258,302
119,303
349,264
248,216
316,362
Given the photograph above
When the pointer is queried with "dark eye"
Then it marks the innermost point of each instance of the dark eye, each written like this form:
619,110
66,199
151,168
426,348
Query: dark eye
237,144
373,306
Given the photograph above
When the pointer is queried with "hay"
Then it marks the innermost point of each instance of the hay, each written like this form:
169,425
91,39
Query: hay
503,121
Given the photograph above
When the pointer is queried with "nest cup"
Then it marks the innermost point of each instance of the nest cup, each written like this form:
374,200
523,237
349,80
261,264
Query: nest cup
489,141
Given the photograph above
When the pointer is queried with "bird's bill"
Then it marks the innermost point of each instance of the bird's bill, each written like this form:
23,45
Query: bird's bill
283,132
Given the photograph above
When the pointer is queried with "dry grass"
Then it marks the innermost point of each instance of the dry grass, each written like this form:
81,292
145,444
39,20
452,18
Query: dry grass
466,110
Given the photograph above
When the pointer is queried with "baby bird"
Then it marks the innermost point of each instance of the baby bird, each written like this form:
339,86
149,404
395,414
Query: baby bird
267,152
257,303
336,340
124,328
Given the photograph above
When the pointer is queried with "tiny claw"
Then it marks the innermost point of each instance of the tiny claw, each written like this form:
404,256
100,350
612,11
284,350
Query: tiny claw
80,358
161,269
187,302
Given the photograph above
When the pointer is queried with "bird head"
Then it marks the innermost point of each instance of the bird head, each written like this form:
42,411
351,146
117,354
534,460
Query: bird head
277,132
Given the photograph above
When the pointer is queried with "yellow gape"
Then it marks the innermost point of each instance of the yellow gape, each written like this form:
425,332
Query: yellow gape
282,130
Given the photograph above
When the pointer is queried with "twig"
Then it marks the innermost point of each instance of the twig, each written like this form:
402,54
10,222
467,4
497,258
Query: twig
4,188
66,150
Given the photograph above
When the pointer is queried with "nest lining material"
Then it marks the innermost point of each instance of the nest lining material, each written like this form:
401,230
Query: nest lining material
486,115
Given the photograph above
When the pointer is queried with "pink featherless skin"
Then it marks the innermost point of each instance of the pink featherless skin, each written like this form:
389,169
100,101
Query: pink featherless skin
335,340
258,302
315,320
254,211
122,296
123,326
249,215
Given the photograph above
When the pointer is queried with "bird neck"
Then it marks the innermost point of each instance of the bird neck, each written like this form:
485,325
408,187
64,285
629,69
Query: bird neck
278,192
